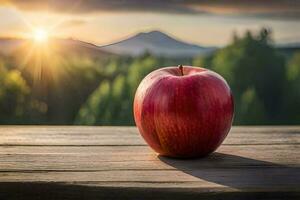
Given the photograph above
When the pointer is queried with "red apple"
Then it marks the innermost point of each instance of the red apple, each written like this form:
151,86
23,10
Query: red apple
183,111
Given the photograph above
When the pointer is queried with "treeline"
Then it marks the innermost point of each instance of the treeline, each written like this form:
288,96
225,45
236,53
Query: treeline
81,89
111,103
264,81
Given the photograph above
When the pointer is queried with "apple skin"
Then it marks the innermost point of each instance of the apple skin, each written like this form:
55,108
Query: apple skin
183,111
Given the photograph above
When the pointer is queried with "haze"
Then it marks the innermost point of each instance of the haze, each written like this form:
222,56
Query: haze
103,22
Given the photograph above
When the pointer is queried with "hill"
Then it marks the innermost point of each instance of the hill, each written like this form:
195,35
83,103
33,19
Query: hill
156,43
11,46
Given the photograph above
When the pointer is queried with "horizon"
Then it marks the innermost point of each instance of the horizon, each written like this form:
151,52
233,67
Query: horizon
297,43
104,45
102,23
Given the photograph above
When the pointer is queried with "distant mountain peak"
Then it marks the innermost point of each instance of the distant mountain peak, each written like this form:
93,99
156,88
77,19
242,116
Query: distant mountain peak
154,33
157,43
154,36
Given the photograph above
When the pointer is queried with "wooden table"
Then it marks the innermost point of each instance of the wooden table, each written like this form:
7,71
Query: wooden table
60,162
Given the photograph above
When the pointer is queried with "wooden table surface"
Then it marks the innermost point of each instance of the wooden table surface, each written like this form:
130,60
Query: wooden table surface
61,162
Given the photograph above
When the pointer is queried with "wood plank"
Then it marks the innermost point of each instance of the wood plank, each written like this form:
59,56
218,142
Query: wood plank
28,158
56,191
266,179
87,136
115,161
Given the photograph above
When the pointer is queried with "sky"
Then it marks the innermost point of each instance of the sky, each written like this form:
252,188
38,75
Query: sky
203,22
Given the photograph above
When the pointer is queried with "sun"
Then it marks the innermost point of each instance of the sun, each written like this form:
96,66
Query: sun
40,35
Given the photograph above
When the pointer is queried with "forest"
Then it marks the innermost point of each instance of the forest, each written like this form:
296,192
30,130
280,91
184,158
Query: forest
55,85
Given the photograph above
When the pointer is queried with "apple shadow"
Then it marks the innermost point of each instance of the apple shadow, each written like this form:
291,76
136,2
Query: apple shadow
239,172
225,169
60,191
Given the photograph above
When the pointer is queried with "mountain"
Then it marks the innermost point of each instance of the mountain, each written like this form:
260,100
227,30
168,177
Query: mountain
10,46
156,43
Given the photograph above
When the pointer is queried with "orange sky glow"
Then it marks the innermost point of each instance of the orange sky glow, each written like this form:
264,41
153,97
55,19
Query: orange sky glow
200,24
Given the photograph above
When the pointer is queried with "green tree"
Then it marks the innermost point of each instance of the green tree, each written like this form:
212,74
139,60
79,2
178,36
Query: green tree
292,92
251,63
14,96
94,110
203,61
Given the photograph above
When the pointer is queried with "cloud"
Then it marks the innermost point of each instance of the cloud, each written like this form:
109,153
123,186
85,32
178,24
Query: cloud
72,23
91,6
259,8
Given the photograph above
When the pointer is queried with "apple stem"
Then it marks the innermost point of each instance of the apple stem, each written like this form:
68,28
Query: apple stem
181,69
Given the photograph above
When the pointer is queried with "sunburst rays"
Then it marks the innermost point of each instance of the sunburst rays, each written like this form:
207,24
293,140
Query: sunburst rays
40,55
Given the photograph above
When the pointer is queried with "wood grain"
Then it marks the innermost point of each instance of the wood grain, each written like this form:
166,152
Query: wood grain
94,136
99,160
